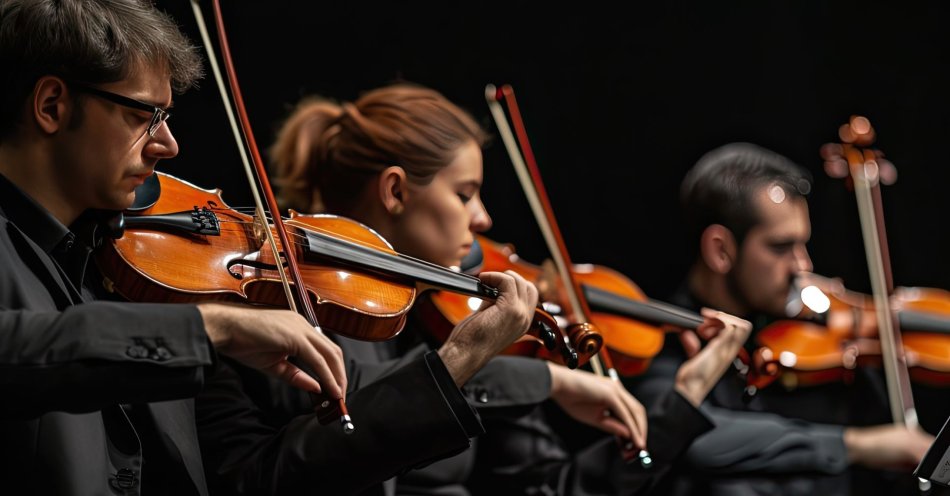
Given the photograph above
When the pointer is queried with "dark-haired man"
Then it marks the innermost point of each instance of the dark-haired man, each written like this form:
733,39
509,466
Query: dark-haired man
747,213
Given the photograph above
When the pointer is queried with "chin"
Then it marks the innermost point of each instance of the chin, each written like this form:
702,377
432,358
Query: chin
119,203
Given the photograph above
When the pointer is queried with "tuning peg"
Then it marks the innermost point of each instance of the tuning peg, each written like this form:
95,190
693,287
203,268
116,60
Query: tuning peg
888,172
862,130
835,164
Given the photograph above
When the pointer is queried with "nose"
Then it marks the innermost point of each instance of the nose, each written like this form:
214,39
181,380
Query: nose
163,144
481,221
802,260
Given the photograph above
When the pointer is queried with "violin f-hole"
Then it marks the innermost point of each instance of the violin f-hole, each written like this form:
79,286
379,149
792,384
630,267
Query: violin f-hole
253,264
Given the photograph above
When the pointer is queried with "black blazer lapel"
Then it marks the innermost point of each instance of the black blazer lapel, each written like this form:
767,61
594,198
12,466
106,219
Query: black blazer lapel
41,265
176,419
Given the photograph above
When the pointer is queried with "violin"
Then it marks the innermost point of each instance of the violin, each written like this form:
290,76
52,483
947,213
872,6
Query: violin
632,326
191,246
443,310
924,315
836,332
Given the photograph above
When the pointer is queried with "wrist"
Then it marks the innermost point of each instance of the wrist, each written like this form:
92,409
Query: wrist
853,444
692,390
460,361
213,317
557,382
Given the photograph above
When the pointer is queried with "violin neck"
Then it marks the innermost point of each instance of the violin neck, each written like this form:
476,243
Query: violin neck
650,312
320,247
924,322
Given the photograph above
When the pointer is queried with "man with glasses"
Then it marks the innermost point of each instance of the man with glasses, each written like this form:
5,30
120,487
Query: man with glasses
97,394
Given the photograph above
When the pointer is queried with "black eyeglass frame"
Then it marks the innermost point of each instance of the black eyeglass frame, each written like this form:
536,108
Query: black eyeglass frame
159,114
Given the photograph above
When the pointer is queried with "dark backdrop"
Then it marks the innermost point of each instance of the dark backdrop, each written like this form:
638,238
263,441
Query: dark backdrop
619,101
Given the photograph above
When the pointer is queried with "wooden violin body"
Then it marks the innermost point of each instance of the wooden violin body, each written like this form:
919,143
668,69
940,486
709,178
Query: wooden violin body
235,265
809,353
632,326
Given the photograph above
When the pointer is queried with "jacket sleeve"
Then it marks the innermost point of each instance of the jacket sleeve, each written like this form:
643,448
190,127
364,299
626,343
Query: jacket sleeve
529,454
508,381
79,358
505,381
746,442
411,417
97,354
765,443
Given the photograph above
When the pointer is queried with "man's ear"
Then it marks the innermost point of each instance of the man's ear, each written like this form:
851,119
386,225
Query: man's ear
393,189
51,104
718,248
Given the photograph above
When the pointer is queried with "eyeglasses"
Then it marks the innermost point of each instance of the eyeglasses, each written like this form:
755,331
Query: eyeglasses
159,115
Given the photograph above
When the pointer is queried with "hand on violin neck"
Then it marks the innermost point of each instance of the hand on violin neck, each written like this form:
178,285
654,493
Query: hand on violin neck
492,328
725,334
887,446
599,402
265,339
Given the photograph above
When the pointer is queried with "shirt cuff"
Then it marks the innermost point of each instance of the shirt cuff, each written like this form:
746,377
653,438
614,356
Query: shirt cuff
831,448
465,414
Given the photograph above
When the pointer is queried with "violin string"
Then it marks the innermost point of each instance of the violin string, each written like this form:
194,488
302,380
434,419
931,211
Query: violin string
326,232
299,236
351,240
334,235
301,240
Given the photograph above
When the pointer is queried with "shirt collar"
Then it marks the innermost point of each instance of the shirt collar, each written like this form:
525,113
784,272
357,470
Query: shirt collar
30,217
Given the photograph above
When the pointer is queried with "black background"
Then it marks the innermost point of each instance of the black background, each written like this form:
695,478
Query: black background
619,101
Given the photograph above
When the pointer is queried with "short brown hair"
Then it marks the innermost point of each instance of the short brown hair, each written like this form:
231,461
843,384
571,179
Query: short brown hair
91,41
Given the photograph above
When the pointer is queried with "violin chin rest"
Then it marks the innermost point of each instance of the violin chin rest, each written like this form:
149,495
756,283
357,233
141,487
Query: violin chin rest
147,193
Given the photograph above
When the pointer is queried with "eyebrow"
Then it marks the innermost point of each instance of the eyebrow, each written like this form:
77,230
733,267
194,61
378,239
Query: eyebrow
170,106
154,104
471,182
785,240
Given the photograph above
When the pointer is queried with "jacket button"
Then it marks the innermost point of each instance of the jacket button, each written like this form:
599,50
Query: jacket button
124,479
483,396
137,351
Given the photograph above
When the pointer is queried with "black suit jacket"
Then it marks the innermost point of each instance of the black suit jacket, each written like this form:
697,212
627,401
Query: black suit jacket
522,451
751,451
66,367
